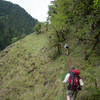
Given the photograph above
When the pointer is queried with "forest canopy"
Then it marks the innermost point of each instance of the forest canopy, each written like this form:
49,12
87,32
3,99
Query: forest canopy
77,22
75,18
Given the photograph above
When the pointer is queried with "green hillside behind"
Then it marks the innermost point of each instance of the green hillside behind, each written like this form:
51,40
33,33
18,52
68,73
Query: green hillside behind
28,71
15,23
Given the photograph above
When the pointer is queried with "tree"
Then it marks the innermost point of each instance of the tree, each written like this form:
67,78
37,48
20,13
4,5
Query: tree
79,21
37,28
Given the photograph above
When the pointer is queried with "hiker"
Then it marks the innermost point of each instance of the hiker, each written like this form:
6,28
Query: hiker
66,47
75,83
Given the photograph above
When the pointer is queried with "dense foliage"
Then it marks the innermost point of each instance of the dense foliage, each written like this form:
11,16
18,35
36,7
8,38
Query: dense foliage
41,27
38,27
78,21
15,23
78,18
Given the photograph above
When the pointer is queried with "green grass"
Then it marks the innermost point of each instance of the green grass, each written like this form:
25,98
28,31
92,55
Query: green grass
19,82
45,82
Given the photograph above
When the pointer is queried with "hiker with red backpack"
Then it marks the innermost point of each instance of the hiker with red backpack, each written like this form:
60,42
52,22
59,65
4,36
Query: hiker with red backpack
75,83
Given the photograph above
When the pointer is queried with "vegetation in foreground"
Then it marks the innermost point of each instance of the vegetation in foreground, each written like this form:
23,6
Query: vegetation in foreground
30,71
78,22
34,67
27,72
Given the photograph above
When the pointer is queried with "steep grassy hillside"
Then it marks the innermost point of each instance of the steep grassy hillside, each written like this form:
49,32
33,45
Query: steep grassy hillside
28,73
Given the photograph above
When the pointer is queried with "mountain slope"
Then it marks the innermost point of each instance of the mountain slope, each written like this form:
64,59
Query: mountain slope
27,73
15,23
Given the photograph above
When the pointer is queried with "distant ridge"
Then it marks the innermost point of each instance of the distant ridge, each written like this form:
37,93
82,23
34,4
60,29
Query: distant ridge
15,23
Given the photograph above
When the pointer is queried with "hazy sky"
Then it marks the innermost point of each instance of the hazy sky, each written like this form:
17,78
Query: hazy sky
36,8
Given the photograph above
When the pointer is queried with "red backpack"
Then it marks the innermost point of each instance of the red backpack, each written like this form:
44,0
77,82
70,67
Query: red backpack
74,80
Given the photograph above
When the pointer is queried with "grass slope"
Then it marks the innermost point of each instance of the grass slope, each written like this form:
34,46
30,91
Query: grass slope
27,73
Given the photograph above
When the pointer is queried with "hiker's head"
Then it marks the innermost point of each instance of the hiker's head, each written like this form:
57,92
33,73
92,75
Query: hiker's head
72,68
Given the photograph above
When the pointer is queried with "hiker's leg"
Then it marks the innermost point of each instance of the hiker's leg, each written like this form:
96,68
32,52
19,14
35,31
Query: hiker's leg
74,95
68,97
69,92
72,98
67,52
